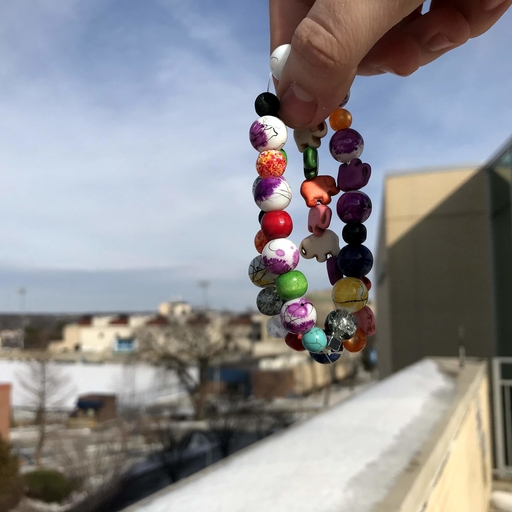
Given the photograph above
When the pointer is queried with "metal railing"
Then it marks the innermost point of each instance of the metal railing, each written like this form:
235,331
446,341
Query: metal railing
502,411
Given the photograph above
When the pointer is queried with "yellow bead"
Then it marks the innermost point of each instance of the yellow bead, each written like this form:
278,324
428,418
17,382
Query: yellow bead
340,119
349,293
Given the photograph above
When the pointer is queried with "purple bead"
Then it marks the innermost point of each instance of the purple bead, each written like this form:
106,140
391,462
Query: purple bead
354,206
353,175
355,260
345,99
346,145
333,271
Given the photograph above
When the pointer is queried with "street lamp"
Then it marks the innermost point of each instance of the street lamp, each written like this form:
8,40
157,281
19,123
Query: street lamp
23,293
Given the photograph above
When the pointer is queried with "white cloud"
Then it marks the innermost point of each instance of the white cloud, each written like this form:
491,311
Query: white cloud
125,145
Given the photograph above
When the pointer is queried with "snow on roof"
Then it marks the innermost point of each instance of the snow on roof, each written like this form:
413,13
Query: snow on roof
344,459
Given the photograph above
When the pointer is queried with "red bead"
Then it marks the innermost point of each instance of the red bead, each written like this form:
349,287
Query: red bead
260,240
366,282
294,341
276,224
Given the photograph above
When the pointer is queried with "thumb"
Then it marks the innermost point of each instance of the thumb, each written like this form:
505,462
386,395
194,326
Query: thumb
327,46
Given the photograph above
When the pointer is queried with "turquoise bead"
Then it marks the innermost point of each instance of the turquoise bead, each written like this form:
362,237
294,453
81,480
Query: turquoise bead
291,285
314,340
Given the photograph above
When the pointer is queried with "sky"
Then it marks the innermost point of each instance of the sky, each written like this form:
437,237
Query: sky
125,163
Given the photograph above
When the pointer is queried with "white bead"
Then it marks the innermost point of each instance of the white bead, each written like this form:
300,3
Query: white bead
272,194
278,60
280,256
268,132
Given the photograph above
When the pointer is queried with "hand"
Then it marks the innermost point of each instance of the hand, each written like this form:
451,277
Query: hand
333,40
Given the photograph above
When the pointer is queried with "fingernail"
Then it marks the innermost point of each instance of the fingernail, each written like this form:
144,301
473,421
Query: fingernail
489,5
439,42
298,107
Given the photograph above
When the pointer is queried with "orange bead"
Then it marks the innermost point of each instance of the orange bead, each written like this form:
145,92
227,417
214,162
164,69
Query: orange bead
340,119
356,343
260,240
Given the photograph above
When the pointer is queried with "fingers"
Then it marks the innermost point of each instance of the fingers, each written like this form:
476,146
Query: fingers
481,15
421,40
327,47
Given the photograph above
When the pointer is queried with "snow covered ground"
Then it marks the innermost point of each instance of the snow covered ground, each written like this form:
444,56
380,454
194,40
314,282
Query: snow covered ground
134,384
345,459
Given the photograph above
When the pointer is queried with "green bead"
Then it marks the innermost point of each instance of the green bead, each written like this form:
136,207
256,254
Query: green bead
310,174
285,155
291,285
310,156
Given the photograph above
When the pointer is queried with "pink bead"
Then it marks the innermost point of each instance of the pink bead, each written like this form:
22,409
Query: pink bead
333,271
365,321
319,219
353,175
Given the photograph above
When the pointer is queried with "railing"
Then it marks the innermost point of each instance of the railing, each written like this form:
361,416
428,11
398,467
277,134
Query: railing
502,410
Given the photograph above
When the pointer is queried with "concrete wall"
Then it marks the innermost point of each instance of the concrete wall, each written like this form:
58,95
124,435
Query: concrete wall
453,471
434,283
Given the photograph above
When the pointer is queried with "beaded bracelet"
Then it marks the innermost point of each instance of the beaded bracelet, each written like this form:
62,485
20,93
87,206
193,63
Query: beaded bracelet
292,315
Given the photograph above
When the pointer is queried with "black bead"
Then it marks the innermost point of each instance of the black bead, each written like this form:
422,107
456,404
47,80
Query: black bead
355,260
267,104
260,216
354,233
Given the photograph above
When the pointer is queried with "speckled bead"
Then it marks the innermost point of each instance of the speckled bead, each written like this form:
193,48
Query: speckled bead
275,328
325,358
259,275
267,104
268,132
272,194
353,175
354,206
280,256
355,260
298,316
291,285
349,293
341,324
270,163
314,340
268,301
346,145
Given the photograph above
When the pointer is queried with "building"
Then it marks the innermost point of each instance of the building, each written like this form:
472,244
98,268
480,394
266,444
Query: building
5,410
101,334
443,268
419,440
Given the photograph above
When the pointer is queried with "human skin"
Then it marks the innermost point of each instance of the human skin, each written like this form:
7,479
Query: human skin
334,40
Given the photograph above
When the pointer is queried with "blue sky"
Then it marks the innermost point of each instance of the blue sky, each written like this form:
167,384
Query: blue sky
126,168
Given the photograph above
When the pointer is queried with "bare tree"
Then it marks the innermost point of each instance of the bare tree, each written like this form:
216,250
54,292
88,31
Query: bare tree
226,418
199,343
98,461
170,442
45,387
